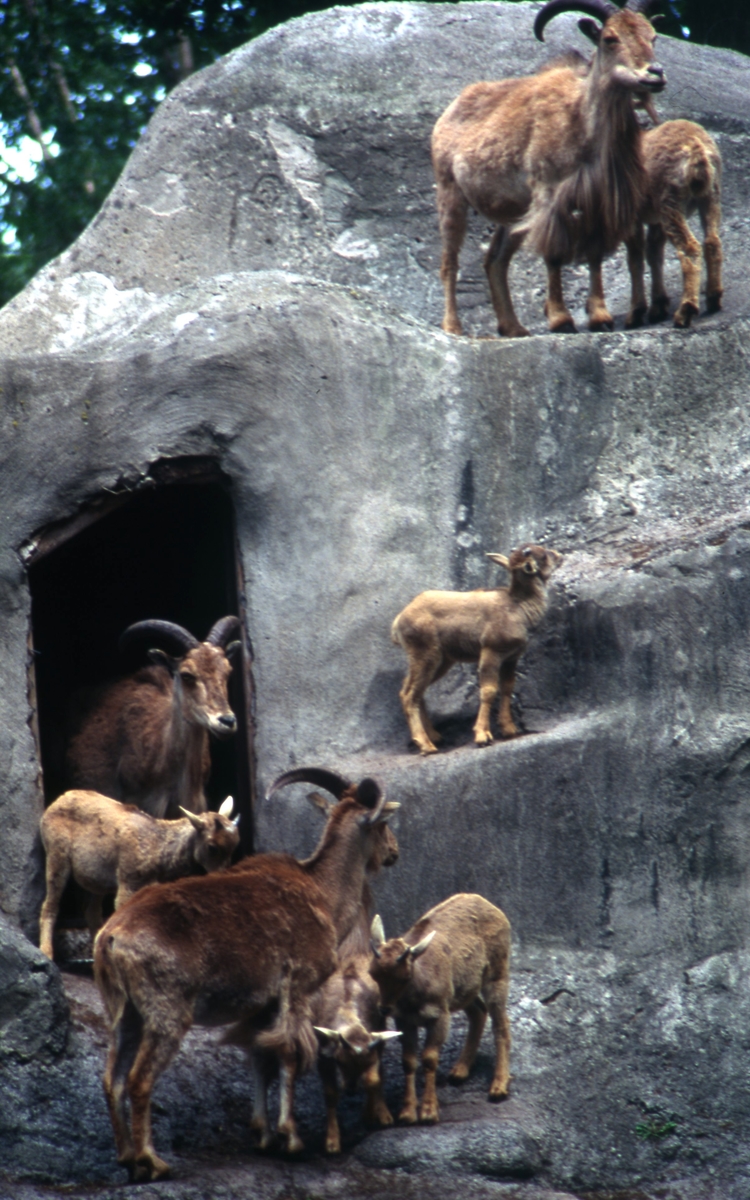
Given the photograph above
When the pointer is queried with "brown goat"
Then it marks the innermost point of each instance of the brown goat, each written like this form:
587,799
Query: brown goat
114,849
554,157
145,739
490,627
456,957
683,172
351,1032
353,949
227,948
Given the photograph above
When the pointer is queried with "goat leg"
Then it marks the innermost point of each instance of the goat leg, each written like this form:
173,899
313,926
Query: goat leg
287,1126
496,263
376,1110
57,871
635,245
327,1070
600,318
497,1008
477,1016
655,242
710,214
156,1051
558,317
437,1032
452,209
507,683
410,1041
689,253
489,670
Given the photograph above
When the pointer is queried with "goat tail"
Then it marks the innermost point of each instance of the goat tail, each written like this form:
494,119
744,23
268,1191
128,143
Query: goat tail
551,224
699,171
396,634
292,1035
109,980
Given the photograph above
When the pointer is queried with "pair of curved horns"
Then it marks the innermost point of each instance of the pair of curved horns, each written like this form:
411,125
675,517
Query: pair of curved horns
377,939
176,637
225,810
368,792
601,9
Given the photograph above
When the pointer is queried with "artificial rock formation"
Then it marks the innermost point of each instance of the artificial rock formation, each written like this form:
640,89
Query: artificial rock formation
261,289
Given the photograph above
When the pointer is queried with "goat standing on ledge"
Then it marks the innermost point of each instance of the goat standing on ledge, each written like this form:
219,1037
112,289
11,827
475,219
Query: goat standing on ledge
145,739
226,948
455,958
555,156
490,627
683,173
114,849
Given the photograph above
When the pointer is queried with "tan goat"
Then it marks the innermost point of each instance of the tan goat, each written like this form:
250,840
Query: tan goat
490,627
683,171
259,938
351,1031
114,849
553,157
455,958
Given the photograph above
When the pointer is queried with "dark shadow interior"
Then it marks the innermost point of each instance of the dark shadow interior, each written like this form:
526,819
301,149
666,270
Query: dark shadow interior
168,551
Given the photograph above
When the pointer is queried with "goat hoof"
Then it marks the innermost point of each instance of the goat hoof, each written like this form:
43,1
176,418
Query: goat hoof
602,325
429,1116
428,749
333,1146
454,327
659,311
407,1117
636,317
483,739
713,302
146,1170
458,1075
684,316
497,1093
567,325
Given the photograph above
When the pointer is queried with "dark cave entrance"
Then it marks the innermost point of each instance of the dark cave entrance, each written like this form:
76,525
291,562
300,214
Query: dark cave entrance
165,550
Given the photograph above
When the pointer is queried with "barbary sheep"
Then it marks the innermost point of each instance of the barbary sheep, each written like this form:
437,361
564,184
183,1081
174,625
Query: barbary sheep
114,849
226,948
351,1031
455,958
683,173
553,158
145,738
490,627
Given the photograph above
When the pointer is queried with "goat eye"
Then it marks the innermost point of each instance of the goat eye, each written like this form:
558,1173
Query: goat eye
612,40
189,679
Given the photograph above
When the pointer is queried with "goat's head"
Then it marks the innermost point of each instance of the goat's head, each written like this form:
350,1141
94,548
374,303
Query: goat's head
392,965
624,40
218,836
200,672
355,1043
529,562
364,800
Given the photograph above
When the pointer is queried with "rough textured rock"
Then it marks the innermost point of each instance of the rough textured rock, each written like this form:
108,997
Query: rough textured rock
261,290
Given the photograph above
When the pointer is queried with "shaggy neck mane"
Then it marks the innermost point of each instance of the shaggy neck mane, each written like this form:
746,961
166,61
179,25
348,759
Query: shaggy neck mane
337,866
531,597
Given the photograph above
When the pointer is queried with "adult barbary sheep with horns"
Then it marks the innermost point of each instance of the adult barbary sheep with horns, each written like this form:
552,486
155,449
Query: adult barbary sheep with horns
489,626
228,948
114,849
553,157
146,738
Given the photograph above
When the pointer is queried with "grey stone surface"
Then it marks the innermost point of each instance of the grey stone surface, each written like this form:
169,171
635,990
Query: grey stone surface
261,289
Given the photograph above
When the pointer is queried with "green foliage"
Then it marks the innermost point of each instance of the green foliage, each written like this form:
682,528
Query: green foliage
79,80
655,1130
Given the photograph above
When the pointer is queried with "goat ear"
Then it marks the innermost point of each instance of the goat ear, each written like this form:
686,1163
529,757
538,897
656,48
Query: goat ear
195,820
322,802
161,659
590,29
420,947
226,808
377,934
368,793
233,652
499,558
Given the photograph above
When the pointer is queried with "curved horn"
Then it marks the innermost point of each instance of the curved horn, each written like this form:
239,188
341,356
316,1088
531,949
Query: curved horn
175,635
641,6
325,779
222,630
602,9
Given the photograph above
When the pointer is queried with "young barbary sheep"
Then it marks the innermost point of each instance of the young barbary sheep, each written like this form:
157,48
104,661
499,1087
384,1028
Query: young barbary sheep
683,172
225,949
145,738
552,157
114,849
456,957
351,1031
490,627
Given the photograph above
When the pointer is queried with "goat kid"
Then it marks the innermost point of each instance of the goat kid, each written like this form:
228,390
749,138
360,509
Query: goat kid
683,176
114,849
553,157
350,1029
490,627
353,949
146,738
227,948
455,958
